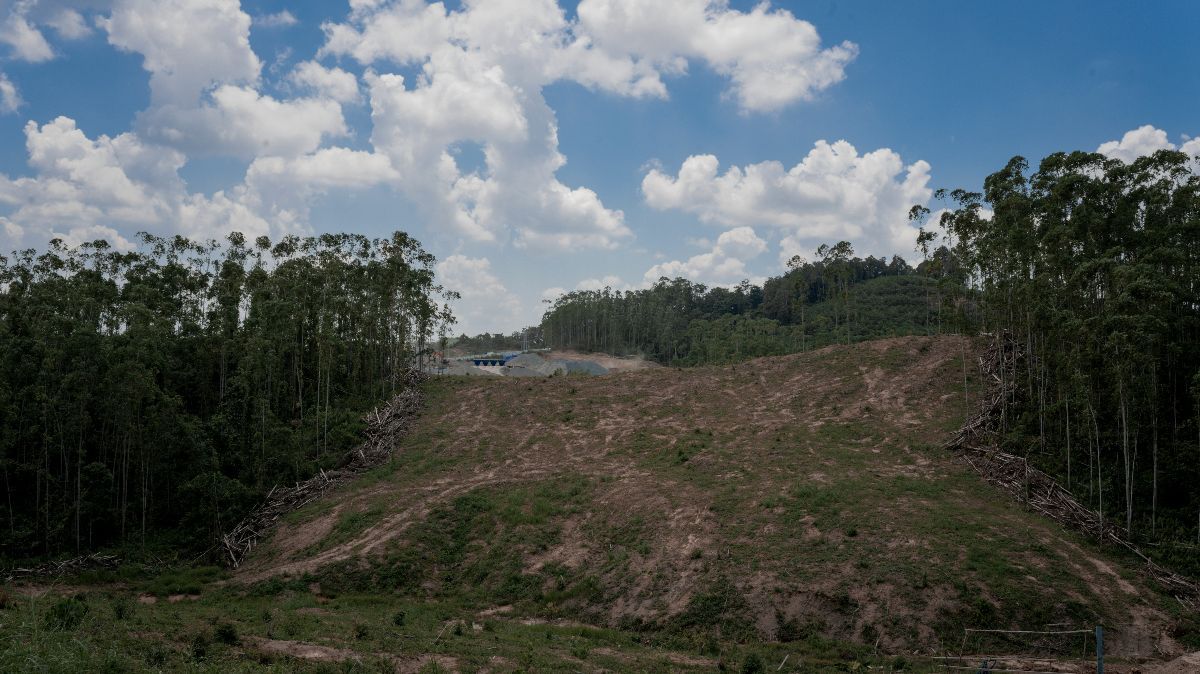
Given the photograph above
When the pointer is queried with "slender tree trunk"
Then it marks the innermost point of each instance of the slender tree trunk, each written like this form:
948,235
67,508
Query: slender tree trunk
1068,444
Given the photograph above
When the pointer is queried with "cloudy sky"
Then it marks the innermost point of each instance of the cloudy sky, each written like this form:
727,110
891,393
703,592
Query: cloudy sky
537,146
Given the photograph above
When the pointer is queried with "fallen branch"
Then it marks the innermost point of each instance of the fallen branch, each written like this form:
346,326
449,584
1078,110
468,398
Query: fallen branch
63,566
978,443
385,425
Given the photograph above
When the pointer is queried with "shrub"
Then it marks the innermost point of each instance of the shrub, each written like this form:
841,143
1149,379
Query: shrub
226,633
200,644
66,615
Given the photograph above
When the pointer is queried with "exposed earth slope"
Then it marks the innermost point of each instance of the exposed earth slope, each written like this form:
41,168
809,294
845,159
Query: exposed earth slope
784,499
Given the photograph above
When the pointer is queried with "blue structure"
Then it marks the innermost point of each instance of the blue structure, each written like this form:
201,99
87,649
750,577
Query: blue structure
495,358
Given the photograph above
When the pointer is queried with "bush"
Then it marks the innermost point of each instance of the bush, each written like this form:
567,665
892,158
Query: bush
753,664
200,644
398,618
66,615
227,634
122,608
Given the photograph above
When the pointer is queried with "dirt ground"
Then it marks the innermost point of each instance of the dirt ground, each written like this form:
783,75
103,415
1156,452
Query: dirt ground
813,483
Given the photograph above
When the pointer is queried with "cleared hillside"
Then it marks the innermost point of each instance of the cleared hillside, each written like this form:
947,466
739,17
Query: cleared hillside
791,514
788,499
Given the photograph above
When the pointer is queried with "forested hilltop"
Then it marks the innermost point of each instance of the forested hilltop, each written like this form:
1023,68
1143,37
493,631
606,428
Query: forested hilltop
150,397
838,299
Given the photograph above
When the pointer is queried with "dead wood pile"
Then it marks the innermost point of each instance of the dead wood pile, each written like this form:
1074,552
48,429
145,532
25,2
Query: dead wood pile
978,443
63,566
385,426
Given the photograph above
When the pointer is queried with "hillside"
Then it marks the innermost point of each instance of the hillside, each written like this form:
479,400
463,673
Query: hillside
778,499
793,507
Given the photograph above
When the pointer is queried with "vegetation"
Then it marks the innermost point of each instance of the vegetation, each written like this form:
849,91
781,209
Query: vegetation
152,395
839,299
1093,266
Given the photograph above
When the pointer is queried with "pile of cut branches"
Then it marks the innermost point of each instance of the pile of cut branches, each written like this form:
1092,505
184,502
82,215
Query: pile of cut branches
385,426
978,443
63,566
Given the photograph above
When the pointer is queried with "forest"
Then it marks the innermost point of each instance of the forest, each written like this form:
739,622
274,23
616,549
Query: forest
838,299
149,397
1092,266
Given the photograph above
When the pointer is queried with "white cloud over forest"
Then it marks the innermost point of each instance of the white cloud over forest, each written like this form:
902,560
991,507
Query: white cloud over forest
833,193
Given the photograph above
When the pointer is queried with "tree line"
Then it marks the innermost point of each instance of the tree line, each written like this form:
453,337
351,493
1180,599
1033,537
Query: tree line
1093,266
149,397
838,298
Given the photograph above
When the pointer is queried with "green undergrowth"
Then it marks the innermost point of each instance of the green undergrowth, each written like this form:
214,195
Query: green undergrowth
107,629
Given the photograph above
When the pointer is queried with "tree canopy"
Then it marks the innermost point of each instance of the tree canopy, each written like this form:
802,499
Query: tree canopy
152,395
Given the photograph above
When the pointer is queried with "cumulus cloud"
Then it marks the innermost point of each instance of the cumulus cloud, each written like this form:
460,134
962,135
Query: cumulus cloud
10,98
724,265
212,105
84,188
485,302
772,58
333,83
169,34
69,24
280,19
25,40
1144,141
834,193
482,69
241,122
82,185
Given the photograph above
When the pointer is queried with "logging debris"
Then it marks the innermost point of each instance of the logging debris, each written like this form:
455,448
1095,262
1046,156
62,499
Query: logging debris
385,425
978,442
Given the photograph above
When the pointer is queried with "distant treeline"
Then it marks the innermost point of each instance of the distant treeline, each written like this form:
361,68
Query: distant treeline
837,299
1093,265
151,396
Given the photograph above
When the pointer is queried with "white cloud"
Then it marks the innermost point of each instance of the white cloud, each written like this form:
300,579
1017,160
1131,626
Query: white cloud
113,186
832,194
1144,141
332,83
26,41
10,98
211,105
772,58
724,265
69,24
280,19
171,34
483,67
485,304
1139,142
610,281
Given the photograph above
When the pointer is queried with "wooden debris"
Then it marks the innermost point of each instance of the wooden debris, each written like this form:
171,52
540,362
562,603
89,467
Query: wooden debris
385,425
978,443
64,566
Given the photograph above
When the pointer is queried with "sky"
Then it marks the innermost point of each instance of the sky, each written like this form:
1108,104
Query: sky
537,147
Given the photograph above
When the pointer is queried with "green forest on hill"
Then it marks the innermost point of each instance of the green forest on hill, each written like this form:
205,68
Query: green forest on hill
838,299
149,397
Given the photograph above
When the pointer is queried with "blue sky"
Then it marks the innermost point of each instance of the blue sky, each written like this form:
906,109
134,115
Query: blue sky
205,116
